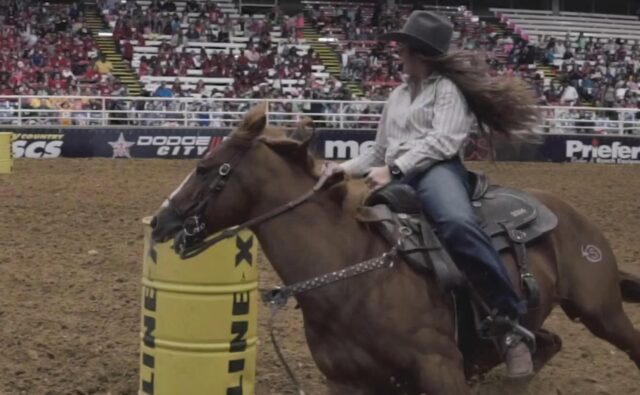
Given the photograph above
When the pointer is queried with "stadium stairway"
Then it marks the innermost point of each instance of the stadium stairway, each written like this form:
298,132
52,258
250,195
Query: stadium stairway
501,29
330,58
121,68
550,72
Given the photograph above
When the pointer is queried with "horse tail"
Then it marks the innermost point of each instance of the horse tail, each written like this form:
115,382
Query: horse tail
630,287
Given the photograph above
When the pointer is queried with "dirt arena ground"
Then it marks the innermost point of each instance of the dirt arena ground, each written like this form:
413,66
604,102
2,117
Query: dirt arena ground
69,319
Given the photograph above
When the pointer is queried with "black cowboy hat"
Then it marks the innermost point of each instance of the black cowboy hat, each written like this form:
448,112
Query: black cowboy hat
425,31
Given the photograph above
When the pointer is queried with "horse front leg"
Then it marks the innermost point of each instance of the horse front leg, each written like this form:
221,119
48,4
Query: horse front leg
436,374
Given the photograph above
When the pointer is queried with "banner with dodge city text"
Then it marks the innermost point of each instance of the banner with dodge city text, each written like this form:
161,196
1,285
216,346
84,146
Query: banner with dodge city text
115,143
192,143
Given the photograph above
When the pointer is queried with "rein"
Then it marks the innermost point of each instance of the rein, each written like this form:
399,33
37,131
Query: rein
187,248
277,298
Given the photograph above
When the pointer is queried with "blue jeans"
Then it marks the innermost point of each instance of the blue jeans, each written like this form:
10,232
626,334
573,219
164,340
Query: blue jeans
444,191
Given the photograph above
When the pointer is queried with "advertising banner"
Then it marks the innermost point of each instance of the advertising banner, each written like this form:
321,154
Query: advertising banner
604,149
115,143
192,143
44,144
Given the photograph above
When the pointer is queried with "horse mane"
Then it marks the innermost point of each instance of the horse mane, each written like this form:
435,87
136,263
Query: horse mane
348,194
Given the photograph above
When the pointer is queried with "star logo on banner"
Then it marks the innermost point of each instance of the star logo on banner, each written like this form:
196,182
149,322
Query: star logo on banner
121,147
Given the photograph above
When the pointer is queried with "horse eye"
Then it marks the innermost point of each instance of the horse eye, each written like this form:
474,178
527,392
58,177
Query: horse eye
201,170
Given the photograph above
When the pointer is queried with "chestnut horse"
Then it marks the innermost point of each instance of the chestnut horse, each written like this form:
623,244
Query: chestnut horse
386,325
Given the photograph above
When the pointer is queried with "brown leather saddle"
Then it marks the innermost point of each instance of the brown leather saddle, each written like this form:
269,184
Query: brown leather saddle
512,218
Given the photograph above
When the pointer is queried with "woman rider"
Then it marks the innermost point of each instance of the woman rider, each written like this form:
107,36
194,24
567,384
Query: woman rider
423,127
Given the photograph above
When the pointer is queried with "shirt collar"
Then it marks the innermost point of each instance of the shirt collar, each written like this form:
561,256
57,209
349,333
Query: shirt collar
427,81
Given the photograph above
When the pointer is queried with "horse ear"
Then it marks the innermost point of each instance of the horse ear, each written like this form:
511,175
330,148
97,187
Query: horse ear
253,122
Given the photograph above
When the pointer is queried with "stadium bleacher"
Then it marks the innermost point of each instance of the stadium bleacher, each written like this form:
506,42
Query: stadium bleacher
596,55
201,48
534,24
221,31
351,28
593,54
55,56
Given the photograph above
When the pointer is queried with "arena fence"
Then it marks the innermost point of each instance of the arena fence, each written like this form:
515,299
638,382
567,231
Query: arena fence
134,112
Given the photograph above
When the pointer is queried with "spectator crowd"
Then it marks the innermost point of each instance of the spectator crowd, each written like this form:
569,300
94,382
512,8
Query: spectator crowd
572,72
584,71
46,49
262,59
257,70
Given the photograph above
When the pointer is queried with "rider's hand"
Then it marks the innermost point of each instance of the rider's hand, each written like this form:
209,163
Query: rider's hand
378,176
333,172
331,168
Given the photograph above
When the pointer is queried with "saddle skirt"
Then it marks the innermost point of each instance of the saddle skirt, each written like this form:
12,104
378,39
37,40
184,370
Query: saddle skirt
509,216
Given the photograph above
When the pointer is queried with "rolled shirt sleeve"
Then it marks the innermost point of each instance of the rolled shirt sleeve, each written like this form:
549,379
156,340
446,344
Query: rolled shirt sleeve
450,126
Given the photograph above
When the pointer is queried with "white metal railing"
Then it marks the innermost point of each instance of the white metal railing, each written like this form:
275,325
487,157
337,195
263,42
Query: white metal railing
95,111
132,112
590,120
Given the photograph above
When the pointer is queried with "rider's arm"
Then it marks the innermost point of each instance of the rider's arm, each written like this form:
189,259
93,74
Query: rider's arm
452,120
358,167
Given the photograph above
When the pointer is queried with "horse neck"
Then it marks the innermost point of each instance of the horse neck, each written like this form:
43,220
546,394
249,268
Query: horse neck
315,238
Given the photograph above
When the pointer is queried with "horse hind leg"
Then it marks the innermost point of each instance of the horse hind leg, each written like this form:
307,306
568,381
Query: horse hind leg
589,283
612,325
604,316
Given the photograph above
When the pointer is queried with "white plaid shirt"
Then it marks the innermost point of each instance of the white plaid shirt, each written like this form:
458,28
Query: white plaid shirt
415,135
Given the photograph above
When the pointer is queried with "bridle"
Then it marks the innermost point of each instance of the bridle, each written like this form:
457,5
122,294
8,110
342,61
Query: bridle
192,240
189,241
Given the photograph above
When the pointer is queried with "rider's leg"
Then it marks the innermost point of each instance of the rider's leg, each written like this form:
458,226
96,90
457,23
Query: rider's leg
444,192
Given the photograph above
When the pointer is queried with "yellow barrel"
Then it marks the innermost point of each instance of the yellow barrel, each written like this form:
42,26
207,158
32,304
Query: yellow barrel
6,156
199,319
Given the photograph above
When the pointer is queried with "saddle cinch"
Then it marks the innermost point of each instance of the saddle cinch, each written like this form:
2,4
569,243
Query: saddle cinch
511,217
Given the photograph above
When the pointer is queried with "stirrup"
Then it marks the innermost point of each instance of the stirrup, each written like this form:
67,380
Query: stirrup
495,326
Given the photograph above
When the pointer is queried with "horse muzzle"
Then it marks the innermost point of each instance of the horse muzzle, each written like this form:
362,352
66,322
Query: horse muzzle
165,225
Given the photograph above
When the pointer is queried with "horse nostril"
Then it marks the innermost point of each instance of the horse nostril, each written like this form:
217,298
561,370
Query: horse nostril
154,222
